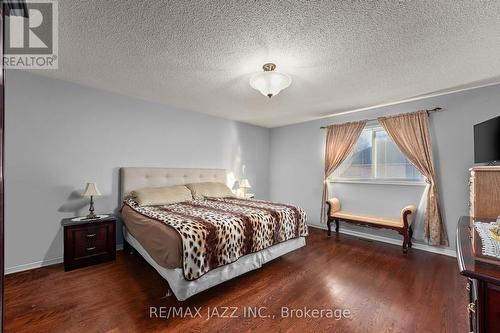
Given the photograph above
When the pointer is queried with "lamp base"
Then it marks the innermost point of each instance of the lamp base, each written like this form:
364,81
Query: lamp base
91,216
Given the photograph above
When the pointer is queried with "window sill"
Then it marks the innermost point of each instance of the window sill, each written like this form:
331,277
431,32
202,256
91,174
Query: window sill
379,182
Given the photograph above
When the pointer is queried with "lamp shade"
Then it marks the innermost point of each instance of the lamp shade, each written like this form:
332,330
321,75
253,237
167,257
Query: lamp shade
244,183
91,190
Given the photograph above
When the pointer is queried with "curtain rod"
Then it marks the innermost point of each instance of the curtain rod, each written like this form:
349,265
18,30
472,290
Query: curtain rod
428,111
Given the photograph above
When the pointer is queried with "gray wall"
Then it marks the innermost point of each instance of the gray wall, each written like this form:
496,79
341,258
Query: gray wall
61,135
296,160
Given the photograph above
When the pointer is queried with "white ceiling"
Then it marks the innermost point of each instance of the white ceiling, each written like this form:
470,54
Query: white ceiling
342,55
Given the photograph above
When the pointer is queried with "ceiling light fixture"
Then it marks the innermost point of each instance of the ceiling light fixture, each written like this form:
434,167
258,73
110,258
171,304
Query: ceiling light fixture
269,82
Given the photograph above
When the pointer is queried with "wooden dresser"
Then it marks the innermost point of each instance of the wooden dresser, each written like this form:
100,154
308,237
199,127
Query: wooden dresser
483,281
485,192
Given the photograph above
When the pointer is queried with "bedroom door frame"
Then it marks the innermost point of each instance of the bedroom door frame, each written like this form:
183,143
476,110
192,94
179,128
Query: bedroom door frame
2,141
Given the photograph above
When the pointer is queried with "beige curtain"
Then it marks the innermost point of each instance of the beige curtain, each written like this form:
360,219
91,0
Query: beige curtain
410,132
340,139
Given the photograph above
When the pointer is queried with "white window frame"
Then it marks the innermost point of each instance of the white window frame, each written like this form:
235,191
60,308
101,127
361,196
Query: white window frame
373,180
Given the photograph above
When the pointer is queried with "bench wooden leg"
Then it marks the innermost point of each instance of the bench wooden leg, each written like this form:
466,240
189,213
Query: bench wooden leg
336,225
328,224
410,232
406,240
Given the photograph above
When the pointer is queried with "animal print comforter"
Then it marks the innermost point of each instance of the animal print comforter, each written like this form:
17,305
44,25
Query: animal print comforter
216,232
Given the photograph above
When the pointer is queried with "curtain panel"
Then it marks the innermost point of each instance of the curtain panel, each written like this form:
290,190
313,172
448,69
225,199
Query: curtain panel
410,132
340,140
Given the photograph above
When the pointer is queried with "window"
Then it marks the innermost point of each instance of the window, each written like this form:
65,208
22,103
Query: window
375,158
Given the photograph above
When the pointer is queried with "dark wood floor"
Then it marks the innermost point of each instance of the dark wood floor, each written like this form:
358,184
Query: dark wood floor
385,291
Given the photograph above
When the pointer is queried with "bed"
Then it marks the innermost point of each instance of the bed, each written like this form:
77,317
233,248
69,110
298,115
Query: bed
164,246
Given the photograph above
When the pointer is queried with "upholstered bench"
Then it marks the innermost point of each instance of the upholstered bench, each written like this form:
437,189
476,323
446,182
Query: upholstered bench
401,225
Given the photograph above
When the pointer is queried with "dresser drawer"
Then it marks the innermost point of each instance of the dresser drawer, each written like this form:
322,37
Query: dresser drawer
89,244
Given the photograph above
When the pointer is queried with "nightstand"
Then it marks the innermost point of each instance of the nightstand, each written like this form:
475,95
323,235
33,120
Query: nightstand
89,242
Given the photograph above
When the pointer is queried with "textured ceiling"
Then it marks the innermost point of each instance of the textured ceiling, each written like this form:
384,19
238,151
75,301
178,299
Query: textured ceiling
341,55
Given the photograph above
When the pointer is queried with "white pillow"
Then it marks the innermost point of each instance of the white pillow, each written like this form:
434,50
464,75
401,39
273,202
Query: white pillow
159,196
210,190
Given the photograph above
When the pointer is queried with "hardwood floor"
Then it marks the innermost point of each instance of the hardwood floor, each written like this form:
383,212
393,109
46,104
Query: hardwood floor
384,290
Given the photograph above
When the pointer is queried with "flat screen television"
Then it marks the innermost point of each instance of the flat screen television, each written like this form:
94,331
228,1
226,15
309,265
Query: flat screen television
487,141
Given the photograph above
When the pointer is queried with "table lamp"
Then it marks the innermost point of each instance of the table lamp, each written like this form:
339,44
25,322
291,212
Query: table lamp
244,184
91,191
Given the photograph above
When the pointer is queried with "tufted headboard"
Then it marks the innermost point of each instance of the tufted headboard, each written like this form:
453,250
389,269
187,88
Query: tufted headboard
140,177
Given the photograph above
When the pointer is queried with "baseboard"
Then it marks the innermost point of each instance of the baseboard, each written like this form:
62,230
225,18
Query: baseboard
42,263
33,265
418,246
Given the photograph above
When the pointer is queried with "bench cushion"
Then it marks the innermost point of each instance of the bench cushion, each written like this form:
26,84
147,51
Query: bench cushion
368,218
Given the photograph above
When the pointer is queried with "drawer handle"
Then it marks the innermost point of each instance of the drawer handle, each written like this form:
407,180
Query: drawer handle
90,235
471,307
91,248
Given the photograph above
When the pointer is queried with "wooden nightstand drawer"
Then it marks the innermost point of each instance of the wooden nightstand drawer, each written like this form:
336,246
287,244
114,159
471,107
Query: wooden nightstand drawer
89,243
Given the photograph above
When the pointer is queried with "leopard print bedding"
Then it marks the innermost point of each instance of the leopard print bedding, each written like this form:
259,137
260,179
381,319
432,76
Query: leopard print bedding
218,231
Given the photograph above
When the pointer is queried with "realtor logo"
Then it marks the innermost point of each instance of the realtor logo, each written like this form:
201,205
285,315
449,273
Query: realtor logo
32,42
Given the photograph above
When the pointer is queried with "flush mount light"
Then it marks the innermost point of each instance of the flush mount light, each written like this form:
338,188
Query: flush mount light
269,82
